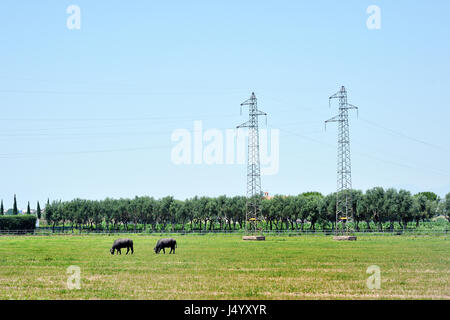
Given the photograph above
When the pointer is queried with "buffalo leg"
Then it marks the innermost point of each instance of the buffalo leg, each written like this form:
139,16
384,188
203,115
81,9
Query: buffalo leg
164,250
132,251
128,249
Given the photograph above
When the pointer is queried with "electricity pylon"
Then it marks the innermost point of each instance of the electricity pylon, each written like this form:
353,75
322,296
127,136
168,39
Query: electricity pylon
254,193
344,210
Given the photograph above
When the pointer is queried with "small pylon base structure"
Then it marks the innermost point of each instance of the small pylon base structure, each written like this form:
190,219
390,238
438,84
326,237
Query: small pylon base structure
254,238
345,238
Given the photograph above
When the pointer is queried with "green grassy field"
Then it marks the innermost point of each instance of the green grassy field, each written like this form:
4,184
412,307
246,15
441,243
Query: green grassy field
225,267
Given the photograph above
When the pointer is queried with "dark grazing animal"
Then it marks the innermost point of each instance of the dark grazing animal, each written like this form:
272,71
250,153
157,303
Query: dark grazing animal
165,243
122,243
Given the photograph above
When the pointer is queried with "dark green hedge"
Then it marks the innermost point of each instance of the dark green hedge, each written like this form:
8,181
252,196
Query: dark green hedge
19,222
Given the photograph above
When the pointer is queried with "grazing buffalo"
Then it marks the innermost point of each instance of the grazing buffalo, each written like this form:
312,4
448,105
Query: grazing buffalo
122,243
165,243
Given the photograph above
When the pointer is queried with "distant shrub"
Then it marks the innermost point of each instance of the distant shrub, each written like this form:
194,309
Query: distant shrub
19,222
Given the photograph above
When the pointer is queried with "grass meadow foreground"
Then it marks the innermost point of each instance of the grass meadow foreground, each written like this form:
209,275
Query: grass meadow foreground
225,267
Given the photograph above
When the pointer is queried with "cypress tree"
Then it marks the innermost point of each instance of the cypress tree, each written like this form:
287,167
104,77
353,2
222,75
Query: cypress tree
46,207
15,211
2,210
38,210
28,208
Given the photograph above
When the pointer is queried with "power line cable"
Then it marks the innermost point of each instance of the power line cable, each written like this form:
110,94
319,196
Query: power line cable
63,153
404,135
439,172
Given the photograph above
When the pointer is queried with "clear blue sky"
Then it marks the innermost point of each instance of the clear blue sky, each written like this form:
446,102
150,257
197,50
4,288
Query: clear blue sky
89,113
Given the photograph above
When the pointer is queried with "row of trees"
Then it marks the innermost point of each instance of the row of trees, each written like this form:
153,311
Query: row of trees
15,211
375,209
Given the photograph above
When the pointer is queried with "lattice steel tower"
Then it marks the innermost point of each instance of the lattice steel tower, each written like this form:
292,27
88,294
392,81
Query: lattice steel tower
344,210
254,193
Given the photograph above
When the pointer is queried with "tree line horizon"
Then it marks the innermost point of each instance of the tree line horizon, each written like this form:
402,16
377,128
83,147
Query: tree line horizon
376,209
